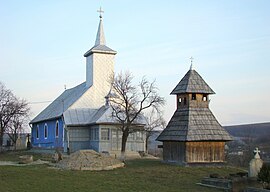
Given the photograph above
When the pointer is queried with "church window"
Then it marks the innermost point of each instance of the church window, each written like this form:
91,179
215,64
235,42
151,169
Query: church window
139,135
56,129
45,131
204,97
131,137
105,134
179,100
37,134
185,100
94,134
193,97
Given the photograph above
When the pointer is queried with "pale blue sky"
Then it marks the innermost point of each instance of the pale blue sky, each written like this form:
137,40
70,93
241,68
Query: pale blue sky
42,45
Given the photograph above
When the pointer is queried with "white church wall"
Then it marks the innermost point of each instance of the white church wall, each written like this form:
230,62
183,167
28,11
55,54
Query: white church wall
135,142
100,68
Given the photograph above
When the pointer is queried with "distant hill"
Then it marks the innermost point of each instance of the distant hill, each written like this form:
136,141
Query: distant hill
249,130
251,134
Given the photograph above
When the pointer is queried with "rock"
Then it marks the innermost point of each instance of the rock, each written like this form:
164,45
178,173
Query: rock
214,175
90,160
25,159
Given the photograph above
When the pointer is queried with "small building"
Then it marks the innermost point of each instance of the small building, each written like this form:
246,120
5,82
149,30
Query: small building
81,117
193,135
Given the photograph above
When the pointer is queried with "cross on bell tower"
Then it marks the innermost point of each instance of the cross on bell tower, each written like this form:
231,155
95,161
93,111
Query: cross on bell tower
191,63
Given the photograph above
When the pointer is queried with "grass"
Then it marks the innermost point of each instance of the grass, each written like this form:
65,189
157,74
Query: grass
14,156
138,175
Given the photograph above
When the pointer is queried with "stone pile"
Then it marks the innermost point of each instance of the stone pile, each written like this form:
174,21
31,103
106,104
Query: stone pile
25,159
89,160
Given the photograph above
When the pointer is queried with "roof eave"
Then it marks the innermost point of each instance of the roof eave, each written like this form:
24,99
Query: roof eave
49,119
90,52
101,123
182,92
225,140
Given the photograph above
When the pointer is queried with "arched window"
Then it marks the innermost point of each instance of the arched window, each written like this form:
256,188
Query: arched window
37,134
45,131
56,129
185,100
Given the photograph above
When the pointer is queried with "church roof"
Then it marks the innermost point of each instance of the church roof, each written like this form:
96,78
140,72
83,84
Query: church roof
100,44
86,116
194,124
61,104
192,82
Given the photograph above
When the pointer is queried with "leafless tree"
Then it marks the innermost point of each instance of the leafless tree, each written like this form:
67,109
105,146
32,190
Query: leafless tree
129,101
12,111
16,126
154,120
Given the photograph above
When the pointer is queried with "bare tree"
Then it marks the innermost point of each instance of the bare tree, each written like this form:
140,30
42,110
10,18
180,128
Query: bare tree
154,120
129,101
16,126
11,110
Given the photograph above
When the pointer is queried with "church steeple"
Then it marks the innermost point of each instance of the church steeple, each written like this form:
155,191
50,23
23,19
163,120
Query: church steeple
100,39
100,43
99,67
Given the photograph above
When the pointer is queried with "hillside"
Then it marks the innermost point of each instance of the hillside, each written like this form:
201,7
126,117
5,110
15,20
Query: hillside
249,136
249,130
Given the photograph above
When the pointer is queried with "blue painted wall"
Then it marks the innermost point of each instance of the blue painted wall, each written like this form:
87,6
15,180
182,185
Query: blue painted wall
51,141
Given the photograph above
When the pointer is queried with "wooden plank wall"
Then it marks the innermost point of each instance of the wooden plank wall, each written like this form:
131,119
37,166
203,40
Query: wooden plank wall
174,151
211,151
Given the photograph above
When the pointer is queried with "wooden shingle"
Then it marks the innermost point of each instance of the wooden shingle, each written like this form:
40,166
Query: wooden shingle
192,82
194,124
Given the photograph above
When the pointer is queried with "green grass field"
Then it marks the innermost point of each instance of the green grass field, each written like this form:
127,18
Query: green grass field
138,175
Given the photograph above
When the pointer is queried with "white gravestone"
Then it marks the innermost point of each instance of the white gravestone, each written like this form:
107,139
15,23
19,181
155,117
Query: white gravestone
255,164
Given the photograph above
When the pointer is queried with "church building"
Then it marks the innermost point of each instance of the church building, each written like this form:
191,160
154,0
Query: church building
193,135
81,117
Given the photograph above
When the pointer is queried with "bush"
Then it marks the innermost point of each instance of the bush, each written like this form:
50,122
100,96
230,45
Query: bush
264,176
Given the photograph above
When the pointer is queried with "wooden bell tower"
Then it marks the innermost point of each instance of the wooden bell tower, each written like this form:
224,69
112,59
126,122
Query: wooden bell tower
193,135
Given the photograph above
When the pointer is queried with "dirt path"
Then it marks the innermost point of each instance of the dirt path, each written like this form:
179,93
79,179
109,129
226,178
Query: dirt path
14,163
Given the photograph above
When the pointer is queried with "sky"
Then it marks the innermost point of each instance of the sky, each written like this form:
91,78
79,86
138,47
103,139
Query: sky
42,45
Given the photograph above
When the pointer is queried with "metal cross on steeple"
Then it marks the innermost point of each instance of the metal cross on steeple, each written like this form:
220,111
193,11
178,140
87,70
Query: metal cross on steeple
100,12
191,61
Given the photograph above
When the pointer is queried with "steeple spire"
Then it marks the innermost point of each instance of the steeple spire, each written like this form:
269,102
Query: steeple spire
100,44
100,39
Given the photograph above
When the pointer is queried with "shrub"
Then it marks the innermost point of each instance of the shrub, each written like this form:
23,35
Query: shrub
264,176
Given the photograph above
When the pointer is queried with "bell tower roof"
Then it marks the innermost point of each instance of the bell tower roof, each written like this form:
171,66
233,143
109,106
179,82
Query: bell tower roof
100,43
192,82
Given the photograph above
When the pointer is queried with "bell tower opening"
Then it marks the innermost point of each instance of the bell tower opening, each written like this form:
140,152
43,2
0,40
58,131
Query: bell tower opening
193,96
205,98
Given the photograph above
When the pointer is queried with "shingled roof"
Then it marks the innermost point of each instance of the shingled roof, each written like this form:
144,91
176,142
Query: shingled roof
194,124
192,82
